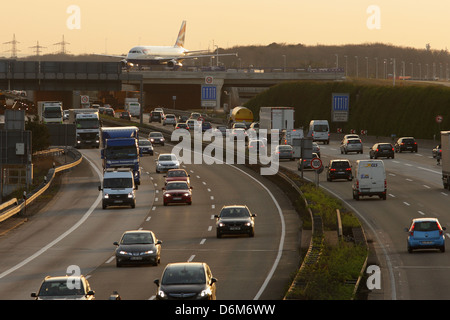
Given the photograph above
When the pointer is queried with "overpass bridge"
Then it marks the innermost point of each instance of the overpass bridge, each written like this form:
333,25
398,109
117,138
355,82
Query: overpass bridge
183,89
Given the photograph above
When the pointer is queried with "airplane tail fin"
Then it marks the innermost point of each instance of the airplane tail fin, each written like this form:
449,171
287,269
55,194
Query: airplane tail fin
181,35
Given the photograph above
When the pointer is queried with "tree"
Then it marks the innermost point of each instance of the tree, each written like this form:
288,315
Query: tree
40,137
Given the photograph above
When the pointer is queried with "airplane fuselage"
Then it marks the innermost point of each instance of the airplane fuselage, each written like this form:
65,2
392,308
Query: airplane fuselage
155,54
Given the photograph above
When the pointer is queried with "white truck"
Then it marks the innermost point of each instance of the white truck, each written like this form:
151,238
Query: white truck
87,123
276,118
50,112
133,106
445,158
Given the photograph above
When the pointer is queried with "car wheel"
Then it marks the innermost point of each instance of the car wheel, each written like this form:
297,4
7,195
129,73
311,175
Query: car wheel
104,206
218,234
442,248
133,205
410,250
252,233
118,264
165,203
189,203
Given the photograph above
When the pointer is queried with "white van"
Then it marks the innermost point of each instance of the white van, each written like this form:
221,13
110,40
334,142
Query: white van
118,188
370,179
134,108
319,130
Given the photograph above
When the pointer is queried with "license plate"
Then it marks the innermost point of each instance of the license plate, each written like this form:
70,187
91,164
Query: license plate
136,258
235,228
118,201
427,242
177,198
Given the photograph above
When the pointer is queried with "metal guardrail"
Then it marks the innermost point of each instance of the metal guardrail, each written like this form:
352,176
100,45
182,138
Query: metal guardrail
29,198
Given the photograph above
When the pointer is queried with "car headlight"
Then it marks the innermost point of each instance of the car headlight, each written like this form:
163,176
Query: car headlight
130,195
149,252
106,196
221,224
187,194
167,195
123,252
248,224
206,292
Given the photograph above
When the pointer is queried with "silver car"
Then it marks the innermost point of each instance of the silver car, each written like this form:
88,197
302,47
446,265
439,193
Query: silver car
351,145
167,161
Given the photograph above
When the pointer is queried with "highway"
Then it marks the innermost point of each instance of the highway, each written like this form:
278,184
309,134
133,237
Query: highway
73,230
414,190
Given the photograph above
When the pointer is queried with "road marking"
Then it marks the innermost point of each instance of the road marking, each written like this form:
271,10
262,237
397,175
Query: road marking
426,186
191,258
212,197
209,228
148,219
443,193
213,206
212,217
203,241
198,177
110,259
153,208
204,183
390,194
391,174
420,212
65,234
209,190
410,180
406,203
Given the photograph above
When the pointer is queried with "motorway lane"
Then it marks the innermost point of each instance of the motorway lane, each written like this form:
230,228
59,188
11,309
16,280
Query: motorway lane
186,231
188,234
414,190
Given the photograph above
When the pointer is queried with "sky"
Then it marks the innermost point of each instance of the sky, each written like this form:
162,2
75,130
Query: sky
113,27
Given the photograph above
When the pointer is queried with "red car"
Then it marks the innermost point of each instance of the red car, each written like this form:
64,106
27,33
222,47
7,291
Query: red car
177,175
177,192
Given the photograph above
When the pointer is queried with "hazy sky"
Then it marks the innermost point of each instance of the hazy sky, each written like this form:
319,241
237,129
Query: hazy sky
113,27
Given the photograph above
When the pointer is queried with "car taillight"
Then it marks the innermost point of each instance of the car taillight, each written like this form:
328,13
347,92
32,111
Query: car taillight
376,150
348,169
333,170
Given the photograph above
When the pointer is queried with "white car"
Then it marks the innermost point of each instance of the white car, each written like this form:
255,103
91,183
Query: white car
167,161
170,119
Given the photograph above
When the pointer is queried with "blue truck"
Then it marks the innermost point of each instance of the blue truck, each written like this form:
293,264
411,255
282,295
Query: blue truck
120,149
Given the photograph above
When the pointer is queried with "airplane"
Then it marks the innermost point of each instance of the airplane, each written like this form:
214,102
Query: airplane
172,56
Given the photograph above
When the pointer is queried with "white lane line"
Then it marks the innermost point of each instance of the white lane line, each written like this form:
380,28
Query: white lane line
212,197
65,234
444,194
209,228
390,194
426,186
203,241
153,208
209,190
148,219
406,203
212,217
191,258
421,212
110,259
408,179
213,206
282,237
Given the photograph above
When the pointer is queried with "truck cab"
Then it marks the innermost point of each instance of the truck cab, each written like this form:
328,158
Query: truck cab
118,188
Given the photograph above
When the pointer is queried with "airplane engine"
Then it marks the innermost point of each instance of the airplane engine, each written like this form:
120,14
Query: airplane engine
174,64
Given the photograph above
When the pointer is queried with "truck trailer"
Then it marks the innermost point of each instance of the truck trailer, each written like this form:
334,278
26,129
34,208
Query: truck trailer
276,118
120,149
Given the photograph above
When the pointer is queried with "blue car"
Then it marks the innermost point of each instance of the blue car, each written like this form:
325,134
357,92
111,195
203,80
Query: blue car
425,233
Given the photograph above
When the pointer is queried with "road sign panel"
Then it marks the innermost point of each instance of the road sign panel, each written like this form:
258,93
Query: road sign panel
316,163
209,93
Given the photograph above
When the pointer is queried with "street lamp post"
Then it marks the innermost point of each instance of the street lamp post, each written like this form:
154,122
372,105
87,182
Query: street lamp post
356,57
376,68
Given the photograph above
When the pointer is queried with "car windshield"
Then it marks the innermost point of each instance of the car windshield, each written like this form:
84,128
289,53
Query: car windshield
144,143
354,141
118,183
60,288
384,146
137,238
426,226
234,212
408,140
177,186
183,275
285,148
166,158
177,173
155,135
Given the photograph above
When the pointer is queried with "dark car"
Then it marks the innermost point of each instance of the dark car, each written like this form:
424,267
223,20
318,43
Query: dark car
306,162
186,281
156,116
109,112
381,150
339,169
138,247
235,219
406,144
285,151
177,192
425,233
156,138
125,115
58,288
145,146
206,125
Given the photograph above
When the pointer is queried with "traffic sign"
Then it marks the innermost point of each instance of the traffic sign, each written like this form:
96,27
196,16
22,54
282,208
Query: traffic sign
316,163
84,99
209,93
209,80
439,119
